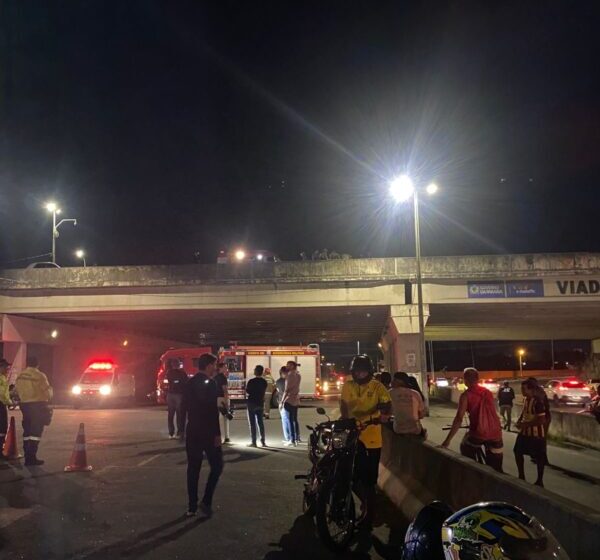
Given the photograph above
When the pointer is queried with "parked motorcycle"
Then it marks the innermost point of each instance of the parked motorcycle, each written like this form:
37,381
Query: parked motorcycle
328,491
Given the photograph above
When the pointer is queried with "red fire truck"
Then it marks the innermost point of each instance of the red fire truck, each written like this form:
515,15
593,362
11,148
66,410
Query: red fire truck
241,361
184,358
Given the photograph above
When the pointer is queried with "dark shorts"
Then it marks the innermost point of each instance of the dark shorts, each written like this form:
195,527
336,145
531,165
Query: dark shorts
367,465
529,445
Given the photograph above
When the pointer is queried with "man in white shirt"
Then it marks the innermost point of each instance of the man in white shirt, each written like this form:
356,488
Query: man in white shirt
407,407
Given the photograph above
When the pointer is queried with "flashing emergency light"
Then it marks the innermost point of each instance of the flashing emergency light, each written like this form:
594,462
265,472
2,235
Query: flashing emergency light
101,366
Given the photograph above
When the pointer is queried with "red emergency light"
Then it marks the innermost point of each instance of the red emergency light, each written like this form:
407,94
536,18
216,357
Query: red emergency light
101,366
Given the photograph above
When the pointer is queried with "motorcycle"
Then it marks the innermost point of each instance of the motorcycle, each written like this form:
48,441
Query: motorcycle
328,491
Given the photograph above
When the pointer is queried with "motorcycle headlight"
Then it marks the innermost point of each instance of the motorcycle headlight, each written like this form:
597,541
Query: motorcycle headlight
339,439
105,390
76,390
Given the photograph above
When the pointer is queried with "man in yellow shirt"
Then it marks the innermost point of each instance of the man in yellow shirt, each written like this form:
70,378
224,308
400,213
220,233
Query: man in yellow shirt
365,398
34,393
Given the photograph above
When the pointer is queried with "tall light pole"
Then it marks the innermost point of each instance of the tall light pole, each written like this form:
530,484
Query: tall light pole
521,353
80,254
402,188
55,210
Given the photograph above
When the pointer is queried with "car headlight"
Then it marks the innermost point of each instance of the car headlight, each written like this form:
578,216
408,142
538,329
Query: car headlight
105,390
76,390
325,386
338,384
338,440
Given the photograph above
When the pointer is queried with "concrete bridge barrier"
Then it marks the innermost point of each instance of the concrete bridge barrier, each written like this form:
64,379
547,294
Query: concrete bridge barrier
412,474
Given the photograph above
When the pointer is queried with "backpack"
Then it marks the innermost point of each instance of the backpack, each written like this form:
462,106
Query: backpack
484,421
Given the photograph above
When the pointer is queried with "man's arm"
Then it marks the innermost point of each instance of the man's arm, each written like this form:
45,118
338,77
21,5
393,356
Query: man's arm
344,410
460,414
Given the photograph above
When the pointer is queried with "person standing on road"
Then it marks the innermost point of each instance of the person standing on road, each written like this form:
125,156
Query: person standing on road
269,392
5,401
203,435
291,401
223,398
506,396
386,379
408,407
484,425
176,380
255,392
34,393
280,386
363,398
532,432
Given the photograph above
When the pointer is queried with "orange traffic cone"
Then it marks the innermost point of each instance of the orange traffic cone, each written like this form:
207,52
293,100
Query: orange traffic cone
79,456
11,449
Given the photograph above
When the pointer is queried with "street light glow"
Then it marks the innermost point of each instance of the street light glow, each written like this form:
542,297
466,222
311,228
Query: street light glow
521,351
402,188
54,334
432,188
51,207
80,253
259,257
240,255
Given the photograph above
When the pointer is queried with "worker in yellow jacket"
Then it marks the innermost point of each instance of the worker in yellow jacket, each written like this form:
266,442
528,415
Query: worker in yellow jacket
34,393
5,400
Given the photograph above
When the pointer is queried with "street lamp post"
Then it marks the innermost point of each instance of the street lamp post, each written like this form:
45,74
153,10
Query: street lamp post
80,254
55,210
402,188
521,353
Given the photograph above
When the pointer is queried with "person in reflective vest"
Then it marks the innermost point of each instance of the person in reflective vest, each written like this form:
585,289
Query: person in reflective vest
5,400
34,393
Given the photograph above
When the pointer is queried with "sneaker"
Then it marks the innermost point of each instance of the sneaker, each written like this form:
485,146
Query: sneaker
171,436
285,441
251,445
226,440
263,444
206,509
267,416
190,513
289,443
33,462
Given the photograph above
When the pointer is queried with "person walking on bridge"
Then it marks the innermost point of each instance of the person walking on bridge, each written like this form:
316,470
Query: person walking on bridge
484,425
34,393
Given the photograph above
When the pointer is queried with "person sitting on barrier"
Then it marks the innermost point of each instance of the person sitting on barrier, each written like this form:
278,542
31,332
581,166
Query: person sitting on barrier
484,425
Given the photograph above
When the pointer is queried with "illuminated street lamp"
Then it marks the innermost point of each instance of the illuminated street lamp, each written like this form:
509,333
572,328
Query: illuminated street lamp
240,255
53,208
80,254
521,353
401,189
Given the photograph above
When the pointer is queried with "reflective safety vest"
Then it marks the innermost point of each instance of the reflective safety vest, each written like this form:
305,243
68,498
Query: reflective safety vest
4,392
32,386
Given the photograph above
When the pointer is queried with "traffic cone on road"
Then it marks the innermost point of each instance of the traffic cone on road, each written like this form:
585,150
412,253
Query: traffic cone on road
11,449
78,461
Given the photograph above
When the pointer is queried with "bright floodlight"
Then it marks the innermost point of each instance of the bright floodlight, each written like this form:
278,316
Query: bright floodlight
259,257
521,352
51,207
401,188
240,255
432,188
80,253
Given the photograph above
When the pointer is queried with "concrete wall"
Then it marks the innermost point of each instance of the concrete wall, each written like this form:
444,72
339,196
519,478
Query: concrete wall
412,474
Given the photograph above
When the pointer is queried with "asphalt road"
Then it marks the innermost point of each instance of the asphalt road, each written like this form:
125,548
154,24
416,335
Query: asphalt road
132,504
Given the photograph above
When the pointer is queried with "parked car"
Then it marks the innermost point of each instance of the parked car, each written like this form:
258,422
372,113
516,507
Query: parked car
568,391
42,265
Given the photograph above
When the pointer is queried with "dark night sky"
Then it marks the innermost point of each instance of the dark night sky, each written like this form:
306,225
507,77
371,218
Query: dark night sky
171,127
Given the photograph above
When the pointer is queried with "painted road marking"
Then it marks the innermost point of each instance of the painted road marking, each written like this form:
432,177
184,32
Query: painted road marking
146,461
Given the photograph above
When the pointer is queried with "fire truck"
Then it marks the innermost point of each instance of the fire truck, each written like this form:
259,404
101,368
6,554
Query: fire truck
241,361
184,358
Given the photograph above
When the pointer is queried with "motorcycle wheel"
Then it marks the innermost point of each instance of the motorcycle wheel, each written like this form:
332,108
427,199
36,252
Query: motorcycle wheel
335,529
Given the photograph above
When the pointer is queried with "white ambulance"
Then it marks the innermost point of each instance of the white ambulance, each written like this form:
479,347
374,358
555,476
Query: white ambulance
241,361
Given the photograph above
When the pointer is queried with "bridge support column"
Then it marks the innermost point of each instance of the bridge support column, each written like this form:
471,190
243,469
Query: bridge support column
400,340
15,353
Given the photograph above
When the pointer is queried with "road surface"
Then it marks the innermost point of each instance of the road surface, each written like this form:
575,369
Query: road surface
132,504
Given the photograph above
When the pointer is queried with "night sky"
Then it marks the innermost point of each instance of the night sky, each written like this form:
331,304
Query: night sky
168,128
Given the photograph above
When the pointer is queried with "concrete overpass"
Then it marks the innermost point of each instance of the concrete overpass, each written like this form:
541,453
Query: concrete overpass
493,297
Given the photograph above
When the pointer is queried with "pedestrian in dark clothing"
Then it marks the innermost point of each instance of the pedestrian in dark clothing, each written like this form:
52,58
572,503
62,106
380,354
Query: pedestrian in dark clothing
176,378
386,379
255,391
506,396
203,434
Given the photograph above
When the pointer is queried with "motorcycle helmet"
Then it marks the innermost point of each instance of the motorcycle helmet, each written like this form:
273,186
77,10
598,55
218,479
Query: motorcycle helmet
500,531
422,540
362,363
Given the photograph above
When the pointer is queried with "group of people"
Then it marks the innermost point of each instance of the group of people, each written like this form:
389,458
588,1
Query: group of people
485,429
32,392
